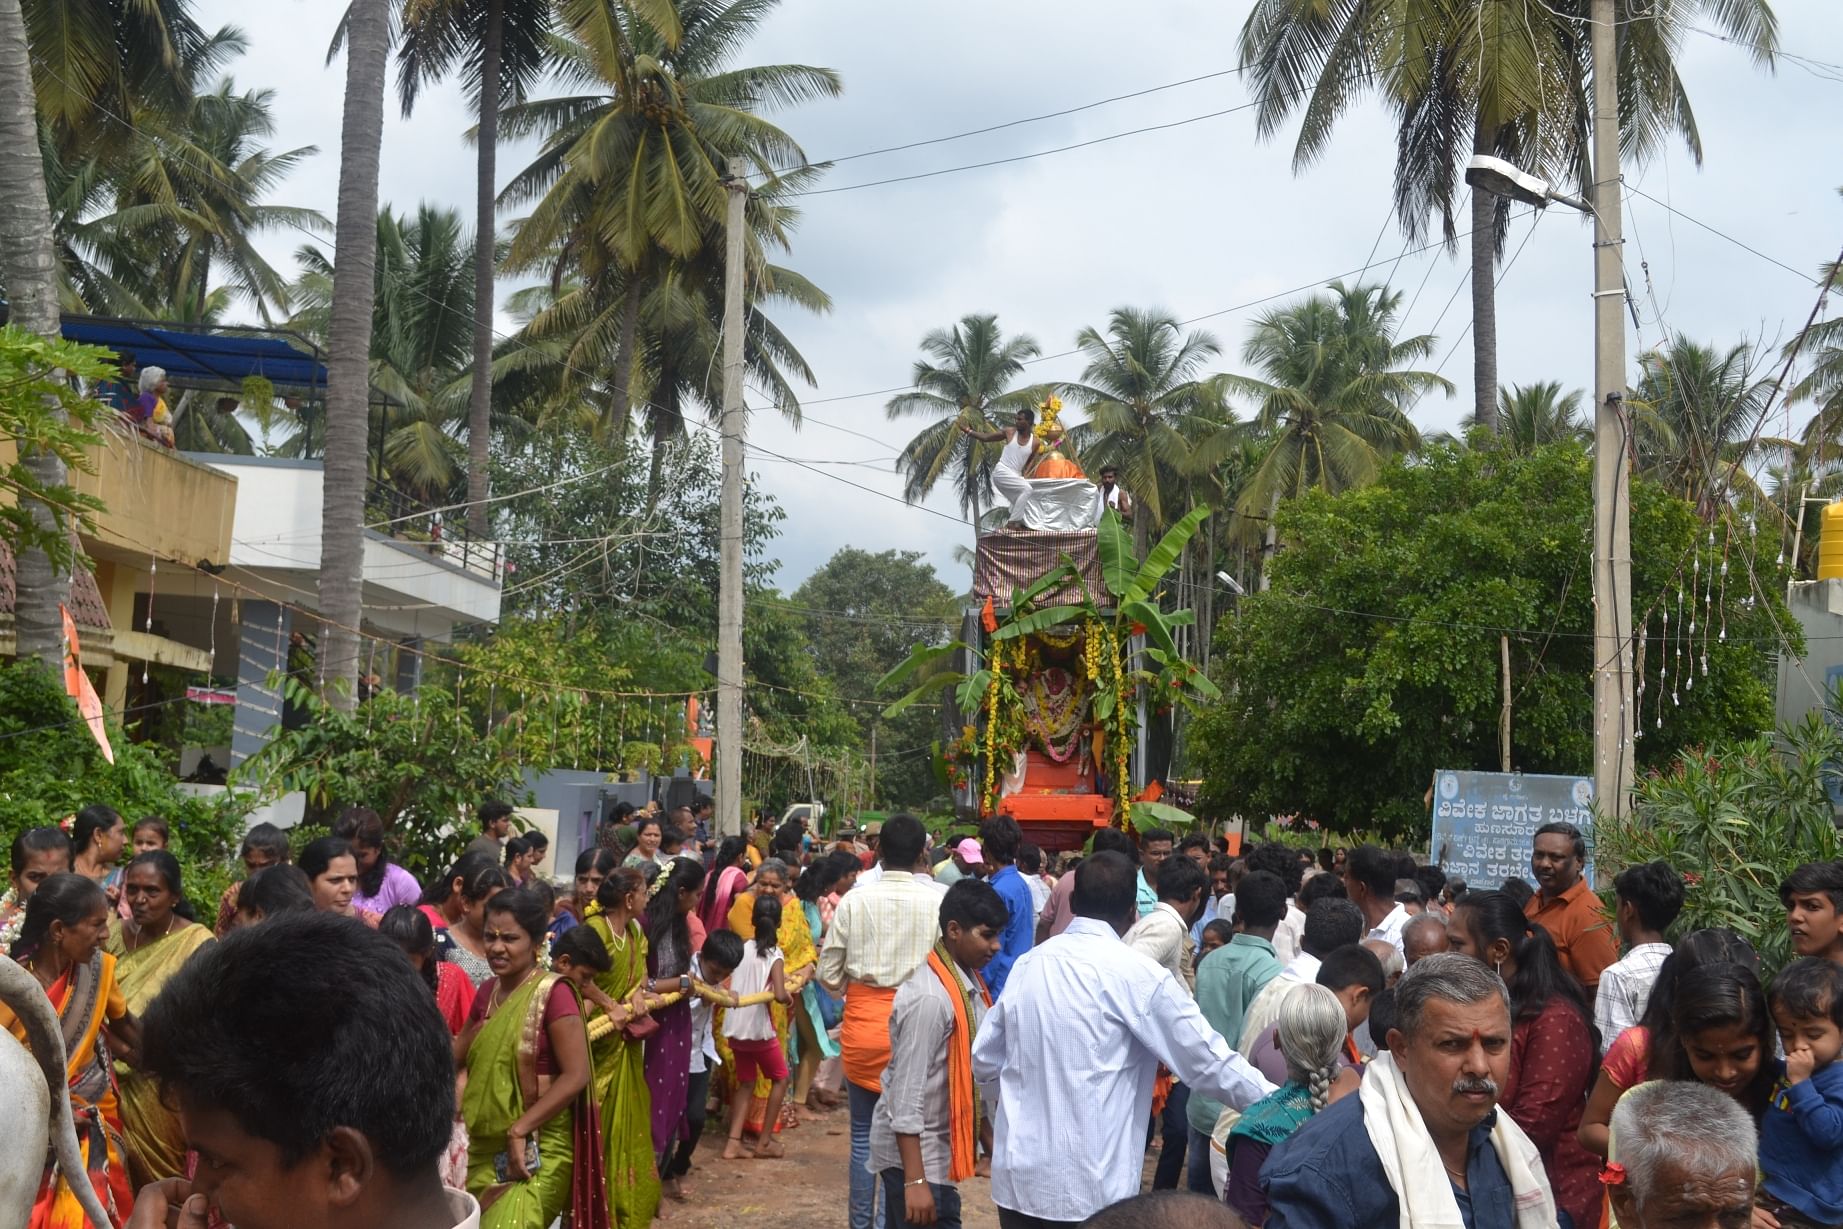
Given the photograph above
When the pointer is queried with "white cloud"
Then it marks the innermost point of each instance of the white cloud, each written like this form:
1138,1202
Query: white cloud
1194,219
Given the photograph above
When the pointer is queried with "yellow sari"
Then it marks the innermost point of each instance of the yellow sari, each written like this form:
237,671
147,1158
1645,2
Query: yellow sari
156,1146
85,998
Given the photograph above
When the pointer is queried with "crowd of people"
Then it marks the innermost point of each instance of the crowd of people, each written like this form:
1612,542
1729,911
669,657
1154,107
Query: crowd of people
1346,1038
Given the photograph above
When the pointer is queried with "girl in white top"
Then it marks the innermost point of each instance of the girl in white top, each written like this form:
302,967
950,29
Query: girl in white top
750,1030
760,970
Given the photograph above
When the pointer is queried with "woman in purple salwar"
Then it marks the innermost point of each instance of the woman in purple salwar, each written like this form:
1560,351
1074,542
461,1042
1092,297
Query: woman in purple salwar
668,964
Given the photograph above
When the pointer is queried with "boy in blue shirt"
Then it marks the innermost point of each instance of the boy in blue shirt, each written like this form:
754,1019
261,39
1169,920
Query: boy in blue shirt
1801,1136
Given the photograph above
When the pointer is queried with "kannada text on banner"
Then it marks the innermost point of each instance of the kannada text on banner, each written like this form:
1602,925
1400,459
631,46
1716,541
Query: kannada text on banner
1484,823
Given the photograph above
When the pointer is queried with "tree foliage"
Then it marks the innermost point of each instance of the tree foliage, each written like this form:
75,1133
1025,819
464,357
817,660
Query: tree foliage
42,413
1374,659
1736,819
51,767
862,613
420,761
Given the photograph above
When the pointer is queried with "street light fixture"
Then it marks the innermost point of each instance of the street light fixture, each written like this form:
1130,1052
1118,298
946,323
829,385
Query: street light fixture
1614,715
1502,178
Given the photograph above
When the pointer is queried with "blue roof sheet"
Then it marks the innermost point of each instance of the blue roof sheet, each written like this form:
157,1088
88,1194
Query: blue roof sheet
203,356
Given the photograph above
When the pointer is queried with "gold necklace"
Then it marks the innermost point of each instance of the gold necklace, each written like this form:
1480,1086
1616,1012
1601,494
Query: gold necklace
140,940
498,996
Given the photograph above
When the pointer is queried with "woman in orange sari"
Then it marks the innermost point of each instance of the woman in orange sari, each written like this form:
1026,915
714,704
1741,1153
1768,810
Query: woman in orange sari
61,945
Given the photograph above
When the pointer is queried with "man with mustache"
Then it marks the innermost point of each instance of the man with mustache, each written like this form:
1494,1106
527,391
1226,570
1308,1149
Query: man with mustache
1422,1143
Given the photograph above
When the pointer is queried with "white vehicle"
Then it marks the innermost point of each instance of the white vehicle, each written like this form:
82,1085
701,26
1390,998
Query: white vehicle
811,812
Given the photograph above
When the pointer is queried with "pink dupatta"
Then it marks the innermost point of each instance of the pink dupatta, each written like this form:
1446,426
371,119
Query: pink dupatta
730,881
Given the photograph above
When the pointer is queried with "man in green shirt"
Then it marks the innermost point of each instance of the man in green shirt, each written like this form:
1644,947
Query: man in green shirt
1227,981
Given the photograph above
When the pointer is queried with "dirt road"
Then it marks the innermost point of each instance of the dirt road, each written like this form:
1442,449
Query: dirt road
803,1190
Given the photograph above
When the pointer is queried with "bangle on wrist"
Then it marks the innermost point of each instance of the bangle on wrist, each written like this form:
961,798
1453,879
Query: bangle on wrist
917,1182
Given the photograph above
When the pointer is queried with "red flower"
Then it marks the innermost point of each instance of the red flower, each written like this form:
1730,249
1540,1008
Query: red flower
1138,629
1691,879
1613,1174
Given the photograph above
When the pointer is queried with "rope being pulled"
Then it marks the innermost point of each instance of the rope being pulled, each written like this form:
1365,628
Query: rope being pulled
603,1024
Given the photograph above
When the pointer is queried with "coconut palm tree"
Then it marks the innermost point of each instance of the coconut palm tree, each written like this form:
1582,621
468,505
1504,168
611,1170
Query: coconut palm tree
630,173
99,62
1142,381
501,48
1697,412
1532,416
361,134
192,200
1501,77
965,378
28,266
1332,394
421,335
652,331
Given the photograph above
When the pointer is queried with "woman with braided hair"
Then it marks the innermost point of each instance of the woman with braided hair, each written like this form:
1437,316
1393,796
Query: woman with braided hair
1311,1031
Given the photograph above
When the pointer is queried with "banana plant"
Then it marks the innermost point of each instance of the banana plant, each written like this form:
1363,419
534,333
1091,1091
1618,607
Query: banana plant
1129,608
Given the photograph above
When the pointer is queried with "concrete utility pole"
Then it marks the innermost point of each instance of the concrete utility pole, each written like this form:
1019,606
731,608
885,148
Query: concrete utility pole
1613,715
729,583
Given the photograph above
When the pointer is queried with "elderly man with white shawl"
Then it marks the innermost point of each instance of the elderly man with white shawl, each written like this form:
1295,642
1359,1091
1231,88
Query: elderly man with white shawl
1422,1145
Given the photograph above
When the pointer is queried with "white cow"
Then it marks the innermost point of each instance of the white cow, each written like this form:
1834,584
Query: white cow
33,1088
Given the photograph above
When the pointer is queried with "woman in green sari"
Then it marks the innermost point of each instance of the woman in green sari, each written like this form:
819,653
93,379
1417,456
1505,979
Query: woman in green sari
533,1152
620,1069
149,947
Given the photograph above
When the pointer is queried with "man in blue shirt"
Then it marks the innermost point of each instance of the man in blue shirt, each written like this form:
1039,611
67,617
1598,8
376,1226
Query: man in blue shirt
1450,1050
1227,981
999,838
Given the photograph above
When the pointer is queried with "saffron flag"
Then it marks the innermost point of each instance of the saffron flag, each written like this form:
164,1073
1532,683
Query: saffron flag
77,683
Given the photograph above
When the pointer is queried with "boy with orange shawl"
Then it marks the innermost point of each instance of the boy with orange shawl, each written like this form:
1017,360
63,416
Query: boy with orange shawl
928,1120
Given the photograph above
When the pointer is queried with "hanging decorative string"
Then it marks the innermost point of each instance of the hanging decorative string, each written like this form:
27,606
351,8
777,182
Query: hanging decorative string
1663,662
153,575
1676,679
459,725
1727,539
492,703
213,650
1689,683
1708,600
1638,697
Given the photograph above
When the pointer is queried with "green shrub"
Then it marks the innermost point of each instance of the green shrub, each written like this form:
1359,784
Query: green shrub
51,767
416,760
1735,820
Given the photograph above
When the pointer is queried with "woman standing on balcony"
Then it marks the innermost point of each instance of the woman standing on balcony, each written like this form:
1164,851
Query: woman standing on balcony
151,415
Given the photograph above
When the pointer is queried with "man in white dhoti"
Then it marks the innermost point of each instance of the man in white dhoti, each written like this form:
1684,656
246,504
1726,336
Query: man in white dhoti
1011,476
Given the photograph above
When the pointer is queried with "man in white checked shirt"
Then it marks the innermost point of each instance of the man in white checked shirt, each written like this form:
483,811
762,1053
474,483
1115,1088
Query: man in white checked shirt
1069,1053
879,936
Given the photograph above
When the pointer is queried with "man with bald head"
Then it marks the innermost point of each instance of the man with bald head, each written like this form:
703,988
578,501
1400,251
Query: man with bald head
1422,937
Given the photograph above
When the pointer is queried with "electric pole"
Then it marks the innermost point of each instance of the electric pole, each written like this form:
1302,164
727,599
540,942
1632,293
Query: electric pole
729,582
1613,715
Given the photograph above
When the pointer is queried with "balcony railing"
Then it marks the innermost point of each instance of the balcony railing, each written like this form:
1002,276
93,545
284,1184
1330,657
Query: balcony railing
444,535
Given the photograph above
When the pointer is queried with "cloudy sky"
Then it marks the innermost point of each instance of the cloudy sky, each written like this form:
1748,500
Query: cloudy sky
1203,218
